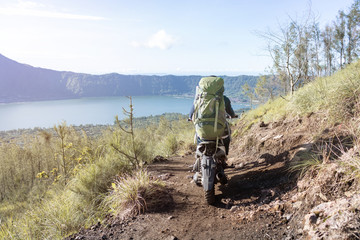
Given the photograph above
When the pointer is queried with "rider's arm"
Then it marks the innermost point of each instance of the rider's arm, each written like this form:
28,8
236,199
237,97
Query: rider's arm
229,110
191,112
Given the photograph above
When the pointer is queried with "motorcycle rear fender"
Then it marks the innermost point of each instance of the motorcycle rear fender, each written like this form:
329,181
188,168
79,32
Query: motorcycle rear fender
208,168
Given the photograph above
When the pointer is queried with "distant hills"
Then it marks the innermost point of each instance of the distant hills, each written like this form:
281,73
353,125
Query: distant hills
21,82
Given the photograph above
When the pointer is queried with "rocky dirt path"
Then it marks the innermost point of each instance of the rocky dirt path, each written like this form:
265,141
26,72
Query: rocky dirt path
248,207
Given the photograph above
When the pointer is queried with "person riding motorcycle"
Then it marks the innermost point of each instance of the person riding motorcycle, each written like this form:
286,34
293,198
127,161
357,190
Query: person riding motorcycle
209,111
230,112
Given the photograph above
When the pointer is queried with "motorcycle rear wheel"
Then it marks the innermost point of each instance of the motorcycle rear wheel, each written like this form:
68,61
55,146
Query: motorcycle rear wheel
210,196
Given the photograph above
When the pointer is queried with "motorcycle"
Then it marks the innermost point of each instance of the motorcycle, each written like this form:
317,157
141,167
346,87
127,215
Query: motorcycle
209,167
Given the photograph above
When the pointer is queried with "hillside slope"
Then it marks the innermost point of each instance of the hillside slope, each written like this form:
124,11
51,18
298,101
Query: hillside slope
21,82
314,135
262,195
296,176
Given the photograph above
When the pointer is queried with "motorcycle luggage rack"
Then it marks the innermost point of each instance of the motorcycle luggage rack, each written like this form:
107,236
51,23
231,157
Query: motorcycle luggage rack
207,147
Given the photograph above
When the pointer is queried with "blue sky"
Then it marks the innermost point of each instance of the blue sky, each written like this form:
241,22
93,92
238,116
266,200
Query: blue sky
149,36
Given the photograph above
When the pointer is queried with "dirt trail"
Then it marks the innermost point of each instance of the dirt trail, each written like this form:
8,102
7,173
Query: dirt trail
238,214
262,199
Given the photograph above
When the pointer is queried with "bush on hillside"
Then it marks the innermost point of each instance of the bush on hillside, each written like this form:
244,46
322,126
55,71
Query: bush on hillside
59,208
130,195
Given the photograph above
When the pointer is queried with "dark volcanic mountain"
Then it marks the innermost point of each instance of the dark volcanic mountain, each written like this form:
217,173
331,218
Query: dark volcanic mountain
21,82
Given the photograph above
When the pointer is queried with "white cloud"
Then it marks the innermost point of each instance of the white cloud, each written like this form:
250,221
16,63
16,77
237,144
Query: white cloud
135,44
160,39
32,9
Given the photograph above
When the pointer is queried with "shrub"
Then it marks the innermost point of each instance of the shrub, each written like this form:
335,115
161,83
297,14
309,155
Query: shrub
170,145
130,194
38,165
307,164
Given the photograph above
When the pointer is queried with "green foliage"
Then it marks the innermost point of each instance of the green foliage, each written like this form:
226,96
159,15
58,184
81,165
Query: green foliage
55,217
66,209
337,94
170,145
31,164
133,156
270,111
64,161
42,205
165,135
143,122
169,137
58,216
267,88
337,99
301,51
307,163
130,194
233,85
249,93
61,176
93,181
11,208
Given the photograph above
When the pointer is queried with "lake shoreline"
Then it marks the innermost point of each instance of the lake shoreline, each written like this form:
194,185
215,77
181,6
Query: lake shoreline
95,111
92,130
29,100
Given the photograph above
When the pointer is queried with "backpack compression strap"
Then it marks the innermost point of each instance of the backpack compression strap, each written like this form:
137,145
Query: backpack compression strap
216,113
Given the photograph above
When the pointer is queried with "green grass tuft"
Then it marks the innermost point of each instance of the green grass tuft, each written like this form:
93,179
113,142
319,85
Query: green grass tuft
308,163
130,194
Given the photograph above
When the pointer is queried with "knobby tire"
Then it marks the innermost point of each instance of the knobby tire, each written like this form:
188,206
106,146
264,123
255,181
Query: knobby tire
210,196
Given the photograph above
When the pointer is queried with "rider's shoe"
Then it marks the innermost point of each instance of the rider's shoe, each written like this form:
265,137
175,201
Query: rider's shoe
197,166
222,178
197,178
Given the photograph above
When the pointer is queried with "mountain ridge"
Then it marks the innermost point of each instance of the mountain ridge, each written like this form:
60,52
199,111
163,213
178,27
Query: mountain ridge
23,82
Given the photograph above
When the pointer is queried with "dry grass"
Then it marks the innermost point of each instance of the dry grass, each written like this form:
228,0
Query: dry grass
307,165
62,209
130,194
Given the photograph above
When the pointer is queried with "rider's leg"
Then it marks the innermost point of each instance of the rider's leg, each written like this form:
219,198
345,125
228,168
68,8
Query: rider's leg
227,144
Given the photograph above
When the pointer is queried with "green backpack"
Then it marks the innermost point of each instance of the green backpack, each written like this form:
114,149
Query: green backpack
209,109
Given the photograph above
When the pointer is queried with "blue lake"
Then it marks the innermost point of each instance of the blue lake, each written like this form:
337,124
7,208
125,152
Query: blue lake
88,110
